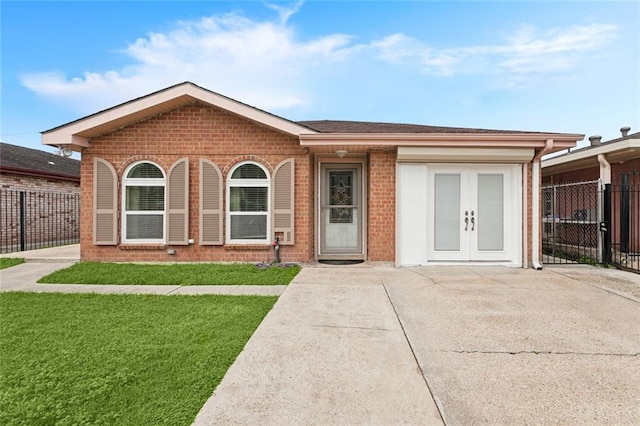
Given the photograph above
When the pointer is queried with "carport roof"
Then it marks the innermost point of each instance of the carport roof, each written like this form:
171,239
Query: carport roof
616,150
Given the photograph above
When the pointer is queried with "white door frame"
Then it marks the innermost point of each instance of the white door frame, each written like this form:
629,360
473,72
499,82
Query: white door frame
415,215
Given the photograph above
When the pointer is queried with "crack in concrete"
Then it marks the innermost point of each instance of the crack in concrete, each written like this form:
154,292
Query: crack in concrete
415,358
615,293
352,327
536,353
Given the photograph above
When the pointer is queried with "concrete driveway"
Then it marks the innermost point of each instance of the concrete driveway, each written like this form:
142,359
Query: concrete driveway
432,345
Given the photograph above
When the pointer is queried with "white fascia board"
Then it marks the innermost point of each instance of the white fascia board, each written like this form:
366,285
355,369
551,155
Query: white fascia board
465,155
592,152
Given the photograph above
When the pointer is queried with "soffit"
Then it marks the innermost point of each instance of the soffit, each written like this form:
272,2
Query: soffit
454,140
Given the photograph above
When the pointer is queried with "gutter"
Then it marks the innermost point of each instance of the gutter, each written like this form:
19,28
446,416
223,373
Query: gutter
535,205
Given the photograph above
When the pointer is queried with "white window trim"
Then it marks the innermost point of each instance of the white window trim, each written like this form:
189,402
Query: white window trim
142,182
247,183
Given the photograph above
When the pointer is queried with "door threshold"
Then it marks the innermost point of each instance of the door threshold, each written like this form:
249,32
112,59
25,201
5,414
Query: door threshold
342,262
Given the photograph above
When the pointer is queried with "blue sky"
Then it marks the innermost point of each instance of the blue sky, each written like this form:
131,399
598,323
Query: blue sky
540,65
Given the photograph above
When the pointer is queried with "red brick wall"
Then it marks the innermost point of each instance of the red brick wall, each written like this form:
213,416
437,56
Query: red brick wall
382,206
31,183
582,175
198,131
593,173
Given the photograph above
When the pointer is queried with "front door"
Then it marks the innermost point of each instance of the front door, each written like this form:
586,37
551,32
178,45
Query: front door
473,214
340,211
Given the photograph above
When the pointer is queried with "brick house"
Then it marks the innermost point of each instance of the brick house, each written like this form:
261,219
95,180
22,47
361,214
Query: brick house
29,169
186,174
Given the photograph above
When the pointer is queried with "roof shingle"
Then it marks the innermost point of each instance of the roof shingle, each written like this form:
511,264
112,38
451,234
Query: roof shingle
340,126
14,158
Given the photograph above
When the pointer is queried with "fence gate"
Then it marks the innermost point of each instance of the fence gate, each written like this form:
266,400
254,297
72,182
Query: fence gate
571,223
32,220
624,222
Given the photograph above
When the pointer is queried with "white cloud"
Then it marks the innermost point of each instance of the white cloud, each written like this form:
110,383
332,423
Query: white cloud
261,63
265,63
526,53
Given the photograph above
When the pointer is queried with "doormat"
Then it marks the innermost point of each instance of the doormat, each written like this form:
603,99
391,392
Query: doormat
340,262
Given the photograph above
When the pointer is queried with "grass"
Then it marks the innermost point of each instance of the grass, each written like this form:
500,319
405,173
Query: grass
7,262
117,359
171,274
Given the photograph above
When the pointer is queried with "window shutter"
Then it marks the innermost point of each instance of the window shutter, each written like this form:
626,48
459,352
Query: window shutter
210,204
178,203
105,204
284,201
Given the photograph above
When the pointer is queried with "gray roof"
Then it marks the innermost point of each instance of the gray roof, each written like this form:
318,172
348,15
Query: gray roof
339,126
28,161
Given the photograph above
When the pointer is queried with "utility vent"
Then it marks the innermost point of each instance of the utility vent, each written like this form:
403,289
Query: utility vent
595,140
625,130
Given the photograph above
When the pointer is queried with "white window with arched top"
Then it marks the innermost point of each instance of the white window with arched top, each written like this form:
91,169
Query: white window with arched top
143,203
248,218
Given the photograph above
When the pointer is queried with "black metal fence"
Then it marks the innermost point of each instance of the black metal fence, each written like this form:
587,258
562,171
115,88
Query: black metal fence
31,220
588,222
622,239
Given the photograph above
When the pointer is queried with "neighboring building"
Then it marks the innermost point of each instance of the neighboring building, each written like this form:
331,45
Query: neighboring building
600,160
186,174
575,202
34,170
39,195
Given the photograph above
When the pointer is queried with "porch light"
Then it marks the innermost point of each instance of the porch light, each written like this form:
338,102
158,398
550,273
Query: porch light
341,153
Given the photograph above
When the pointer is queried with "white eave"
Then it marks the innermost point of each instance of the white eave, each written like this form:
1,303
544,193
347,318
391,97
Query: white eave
76,135
488,140
615,152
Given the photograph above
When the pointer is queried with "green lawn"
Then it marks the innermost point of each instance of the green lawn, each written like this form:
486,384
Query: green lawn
172,274
117,359
7,262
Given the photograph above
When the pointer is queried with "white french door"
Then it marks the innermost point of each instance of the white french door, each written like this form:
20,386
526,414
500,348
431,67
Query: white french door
473,214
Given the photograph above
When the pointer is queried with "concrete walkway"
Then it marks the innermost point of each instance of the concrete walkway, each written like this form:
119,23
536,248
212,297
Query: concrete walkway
39,263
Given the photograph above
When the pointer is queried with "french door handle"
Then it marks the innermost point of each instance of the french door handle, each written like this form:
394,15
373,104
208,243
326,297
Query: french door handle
466,223
473,223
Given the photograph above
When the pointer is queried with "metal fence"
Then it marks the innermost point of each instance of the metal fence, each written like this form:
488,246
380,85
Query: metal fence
588,222
623,236
31,220
571,223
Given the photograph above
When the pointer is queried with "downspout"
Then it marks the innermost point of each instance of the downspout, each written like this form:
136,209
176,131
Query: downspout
605,169
605,178
535,205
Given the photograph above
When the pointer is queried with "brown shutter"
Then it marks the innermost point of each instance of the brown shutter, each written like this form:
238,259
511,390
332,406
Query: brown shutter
210,204
178,203
105,203
284,200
